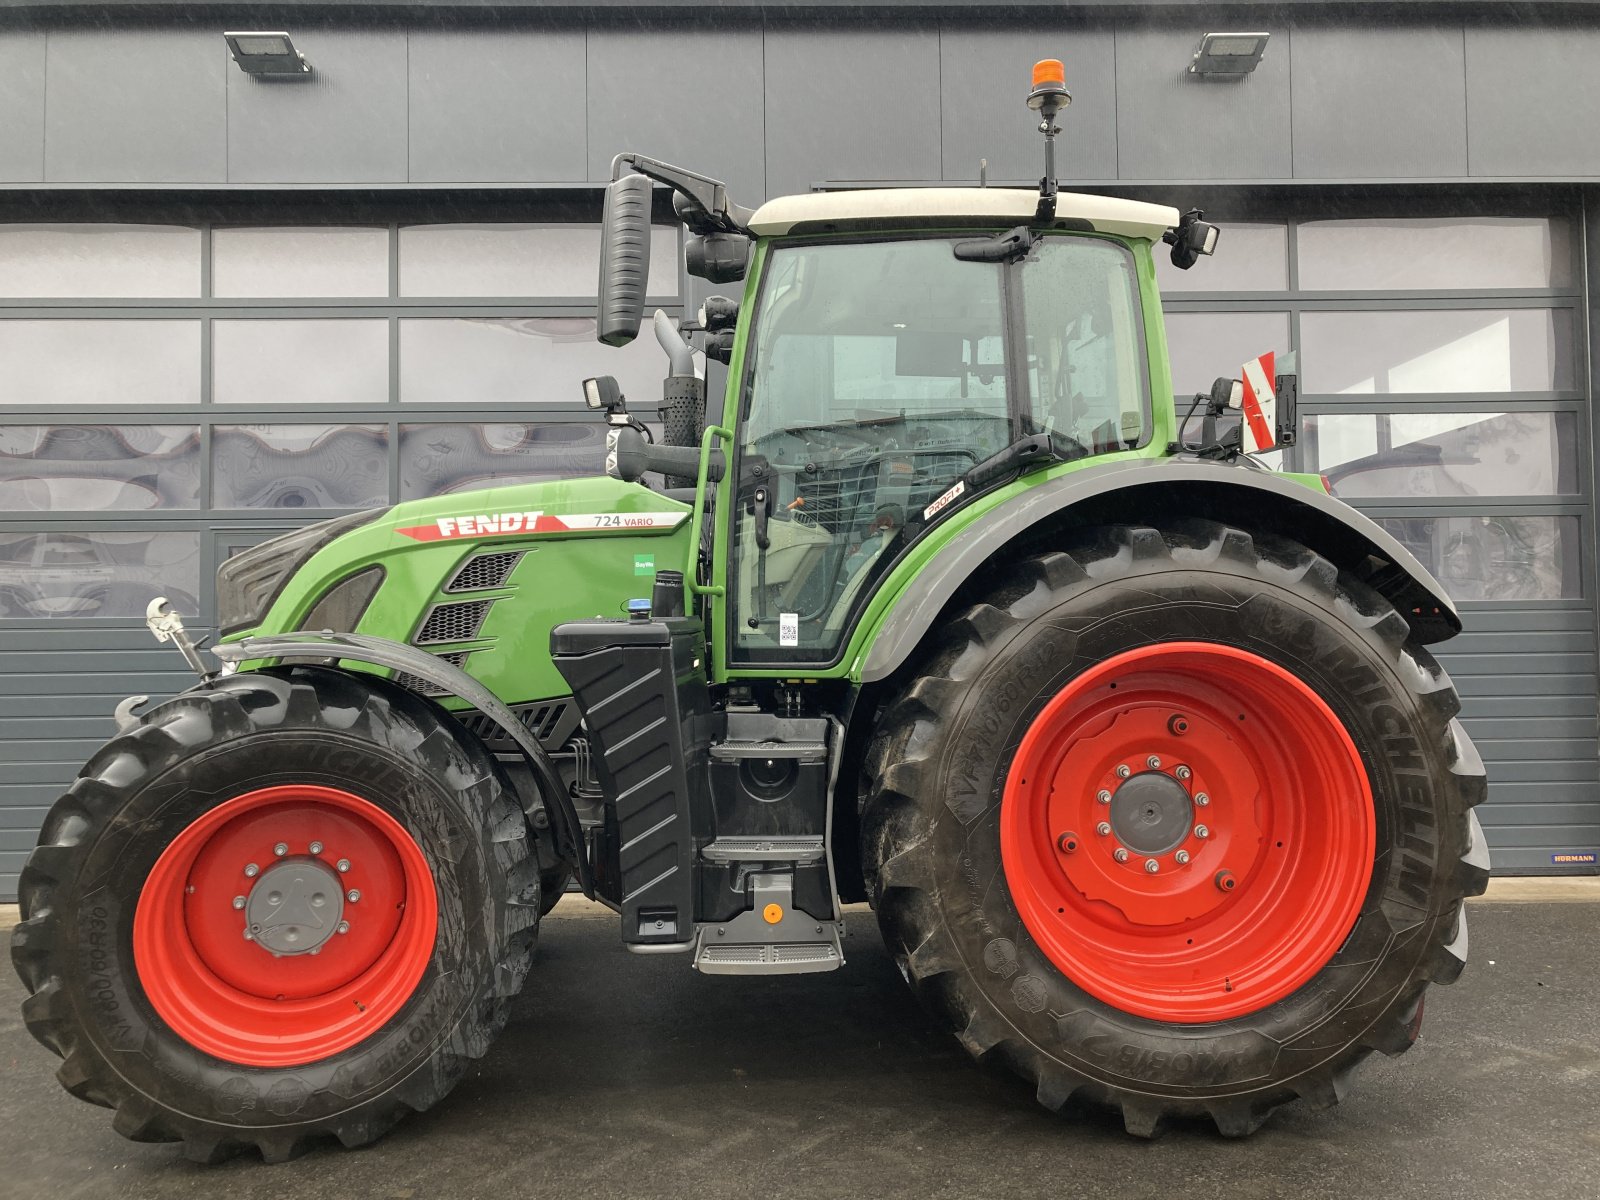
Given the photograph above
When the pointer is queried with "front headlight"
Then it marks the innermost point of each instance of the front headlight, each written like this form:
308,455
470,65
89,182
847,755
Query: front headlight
250,581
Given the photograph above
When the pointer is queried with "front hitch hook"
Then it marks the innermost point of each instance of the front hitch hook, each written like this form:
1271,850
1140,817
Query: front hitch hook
167,626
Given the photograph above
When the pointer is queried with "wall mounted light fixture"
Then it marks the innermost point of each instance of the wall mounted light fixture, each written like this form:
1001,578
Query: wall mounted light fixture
1228,55
267,55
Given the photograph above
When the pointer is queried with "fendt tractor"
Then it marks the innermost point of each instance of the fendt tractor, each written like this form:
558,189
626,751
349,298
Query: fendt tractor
1132,744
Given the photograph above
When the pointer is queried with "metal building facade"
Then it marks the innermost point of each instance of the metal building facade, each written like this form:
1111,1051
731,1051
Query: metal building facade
228,306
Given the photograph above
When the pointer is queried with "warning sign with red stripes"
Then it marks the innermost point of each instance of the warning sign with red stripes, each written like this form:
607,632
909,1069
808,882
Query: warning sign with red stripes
1260,404
481,525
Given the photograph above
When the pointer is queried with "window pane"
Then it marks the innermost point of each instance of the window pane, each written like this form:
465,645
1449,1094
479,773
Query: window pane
99,362
1206,346
523,360
1468,254
1460,350
436,459
99,260
300,262
301,362
122,468
1495,558
1444,454
74,574
519,260
300,466
1249,258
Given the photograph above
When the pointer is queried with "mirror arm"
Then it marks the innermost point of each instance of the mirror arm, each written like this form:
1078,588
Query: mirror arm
710,195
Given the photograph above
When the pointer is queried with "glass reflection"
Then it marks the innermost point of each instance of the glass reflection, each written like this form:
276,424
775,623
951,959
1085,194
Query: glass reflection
300,466
439,459
1367,455
100,574
1495,557
122,468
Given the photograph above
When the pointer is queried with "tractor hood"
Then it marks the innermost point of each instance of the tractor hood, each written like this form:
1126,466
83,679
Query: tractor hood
469,576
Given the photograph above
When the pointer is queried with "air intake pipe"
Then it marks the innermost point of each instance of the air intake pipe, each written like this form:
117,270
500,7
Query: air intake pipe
683,394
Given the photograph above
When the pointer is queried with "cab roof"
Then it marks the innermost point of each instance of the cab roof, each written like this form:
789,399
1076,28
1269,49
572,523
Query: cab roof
900,208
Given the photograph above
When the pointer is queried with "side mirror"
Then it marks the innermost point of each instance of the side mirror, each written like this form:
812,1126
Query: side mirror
624,258
1192,238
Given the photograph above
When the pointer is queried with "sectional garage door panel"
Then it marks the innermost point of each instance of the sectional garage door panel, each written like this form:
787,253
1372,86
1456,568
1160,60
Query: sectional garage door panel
58,689
1530,702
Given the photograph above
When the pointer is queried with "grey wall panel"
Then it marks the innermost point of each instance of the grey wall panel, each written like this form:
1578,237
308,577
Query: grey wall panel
691,97
135,106
506,107
22,106
1171,125
1385,103
983,82
1533,101
851,103
346,124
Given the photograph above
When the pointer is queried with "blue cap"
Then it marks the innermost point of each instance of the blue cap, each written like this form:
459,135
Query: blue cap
639,609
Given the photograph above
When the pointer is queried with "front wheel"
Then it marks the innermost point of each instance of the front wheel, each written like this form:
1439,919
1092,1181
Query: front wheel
1176,821
287,906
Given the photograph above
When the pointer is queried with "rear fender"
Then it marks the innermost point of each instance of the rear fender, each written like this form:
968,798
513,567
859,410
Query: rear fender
1146,490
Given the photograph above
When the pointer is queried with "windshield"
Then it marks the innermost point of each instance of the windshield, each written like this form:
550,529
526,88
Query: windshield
878,375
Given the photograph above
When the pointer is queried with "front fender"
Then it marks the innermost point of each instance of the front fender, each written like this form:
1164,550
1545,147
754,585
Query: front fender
1144,490
381,652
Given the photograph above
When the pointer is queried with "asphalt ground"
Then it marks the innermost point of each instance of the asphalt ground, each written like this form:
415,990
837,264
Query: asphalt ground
622,1076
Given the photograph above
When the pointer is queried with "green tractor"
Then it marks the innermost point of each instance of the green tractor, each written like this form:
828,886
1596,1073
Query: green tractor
1132,744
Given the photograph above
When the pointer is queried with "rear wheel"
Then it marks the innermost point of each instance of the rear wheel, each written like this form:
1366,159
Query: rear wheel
1176,821
287,906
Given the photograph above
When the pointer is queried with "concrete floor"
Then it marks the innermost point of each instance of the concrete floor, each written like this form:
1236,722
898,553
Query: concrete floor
623,1076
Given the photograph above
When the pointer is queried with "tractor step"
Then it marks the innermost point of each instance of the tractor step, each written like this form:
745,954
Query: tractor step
772,937
792,848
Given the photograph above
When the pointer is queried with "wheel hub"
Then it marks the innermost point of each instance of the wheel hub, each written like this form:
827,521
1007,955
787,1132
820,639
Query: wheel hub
1151,813
295,907
1233,831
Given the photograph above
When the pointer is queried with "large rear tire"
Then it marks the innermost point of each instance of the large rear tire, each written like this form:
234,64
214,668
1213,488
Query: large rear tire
1178,822
288,906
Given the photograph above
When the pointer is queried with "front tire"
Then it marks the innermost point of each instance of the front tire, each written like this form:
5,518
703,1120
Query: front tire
1277,907
288,906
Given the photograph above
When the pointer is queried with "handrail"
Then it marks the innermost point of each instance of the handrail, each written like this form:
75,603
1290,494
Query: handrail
691,570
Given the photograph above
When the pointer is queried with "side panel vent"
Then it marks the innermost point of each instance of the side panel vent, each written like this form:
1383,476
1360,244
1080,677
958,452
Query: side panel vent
453,622
484,571
551,722
425,687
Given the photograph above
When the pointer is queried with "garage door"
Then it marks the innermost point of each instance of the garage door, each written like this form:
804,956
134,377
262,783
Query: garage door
176,387
1442,393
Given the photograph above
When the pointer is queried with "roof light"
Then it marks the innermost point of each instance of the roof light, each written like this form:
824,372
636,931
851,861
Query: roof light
1228,55
267,55
1049,80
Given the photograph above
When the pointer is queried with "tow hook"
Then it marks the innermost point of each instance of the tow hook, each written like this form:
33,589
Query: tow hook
167,626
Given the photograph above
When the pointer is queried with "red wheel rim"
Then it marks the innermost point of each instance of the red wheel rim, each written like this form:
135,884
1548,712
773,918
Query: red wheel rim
1239,784
284,867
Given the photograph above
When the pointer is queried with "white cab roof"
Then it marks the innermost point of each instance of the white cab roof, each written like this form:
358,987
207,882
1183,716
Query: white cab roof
1002,206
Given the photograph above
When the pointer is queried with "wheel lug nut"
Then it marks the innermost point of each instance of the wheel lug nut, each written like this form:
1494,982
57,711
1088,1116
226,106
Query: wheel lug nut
238,901
316,847
1182,856
1151,866
1183,772
342,865
1200,831
1121,855
1124,771
1225,881
1202,799
1154,762
1103,829
343,927
1103,796
281,849
352,895
251,870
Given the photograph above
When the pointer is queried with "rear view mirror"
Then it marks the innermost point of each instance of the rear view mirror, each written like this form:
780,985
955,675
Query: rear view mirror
624,258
